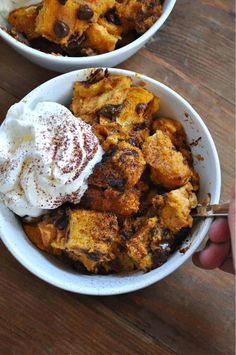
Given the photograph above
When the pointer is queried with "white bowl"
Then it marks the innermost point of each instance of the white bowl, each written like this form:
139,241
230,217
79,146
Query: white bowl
46,267
66,64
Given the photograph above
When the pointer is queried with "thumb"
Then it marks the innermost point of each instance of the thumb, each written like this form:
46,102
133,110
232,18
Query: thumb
232,223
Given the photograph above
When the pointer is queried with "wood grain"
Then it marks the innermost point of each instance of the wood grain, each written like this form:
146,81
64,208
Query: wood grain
189,312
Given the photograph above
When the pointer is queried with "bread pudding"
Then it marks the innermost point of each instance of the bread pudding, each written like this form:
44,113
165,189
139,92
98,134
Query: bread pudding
83,27
137,206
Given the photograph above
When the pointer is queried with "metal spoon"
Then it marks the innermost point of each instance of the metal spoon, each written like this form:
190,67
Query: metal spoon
212,211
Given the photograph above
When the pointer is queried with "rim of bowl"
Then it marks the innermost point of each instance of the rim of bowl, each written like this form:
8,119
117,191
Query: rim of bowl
93,59
150,277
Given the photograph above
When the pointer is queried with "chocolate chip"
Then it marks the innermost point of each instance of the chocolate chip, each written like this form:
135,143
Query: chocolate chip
85,12
61,29
111,16
116,183
130,152
95,76
179,238
39,8
124,235
109,154
139,126
165,233
100,269
95,256
62,2
151,5
159,257
155,230
110,111
74,45
59,218
127,152
131,141
140,108
76,265
61,223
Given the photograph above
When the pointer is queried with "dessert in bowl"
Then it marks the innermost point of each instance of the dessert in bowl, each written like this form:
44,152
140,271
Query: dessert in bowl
58,34
129,221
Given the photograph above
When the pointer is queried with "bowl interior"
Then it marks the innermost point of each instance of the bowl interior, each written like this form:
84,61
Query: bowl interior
54,272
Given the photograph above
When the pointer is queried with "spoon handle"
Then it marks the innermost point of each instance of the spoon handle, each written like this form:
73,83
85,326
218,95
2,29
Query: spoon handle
212,211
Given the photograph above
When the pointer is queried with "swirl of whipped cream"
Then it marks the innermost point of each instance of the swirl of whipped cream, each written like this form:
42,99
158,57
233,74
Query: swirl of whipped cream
46,156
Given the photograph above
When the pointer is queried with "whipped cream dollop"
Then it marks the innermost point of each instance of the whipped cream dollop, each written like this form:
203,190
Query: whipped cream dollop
46,156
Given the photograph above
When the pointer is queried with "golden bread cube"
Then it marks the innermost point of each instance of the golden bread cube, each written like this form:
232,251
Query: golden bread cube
109,133
42,235
111,28
123,203
121,263
151,111
174,208
92,237
90,98
168,166
99,39
177,135
144,245
23,20
134,107
122,168
139,15
129,161
58,21
33,233
124,120
175,131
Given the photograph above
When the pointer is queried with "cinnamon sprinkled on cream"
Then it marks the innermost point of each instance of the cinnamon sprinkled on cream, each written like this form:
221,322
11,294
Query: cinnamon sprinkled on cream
46,156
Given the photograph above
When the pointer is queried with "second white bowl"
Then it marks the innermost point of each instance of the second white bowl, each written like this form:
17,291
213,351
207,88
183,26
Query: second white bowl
66,64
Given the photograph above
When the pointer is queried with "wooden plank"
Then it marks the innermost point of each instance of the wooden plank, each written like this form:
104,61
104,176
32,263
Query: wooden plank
183,312
192,310
44,319
18,76
6,100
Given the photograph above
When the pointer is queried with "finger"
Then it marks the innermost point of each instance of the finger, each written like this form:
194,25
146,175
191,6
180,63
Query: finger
219,231
228,266
232,223
212,256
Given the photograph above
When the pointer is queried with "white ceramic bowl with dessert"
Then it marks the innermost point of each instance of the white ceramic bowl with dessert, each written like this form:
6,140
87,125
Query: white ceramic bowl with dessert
64,63
49,269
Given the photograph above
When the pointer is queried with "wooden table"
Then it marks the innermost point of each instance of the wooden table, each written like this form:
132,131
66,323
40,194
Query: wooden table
189,312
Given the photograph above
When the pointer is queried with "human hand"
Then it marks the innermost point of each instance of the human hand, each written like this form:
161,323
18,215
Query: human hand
220,248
